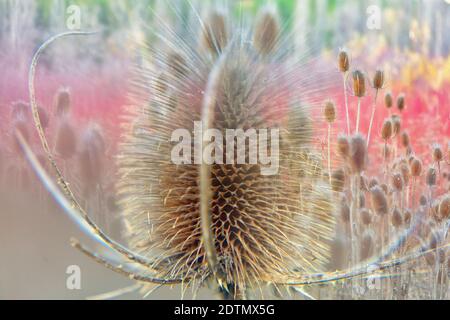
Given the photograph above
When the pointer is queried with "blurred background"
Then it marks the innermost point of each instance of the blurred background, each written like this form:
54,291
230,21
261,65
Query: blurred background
90,77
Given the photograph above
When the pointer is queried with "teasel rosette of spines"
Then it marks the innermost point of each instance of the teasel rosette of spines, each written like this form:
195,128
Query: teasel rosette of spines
259,225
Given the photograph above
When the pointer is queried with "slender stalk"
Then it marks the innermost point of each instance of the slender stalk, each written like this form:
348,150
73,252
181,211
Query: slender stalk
358,115
372,117
346,103
329,152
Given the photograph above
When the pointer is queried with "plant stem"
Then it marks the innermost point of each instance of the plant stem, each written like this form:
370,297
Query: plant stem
346,104
372,117
358,115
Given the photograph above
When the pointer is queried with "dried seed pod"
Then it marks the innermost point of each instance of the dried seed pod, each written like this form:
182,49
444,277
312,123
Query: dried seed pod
423,200
338,180
401,104
343,146
366,216
329,111
444,208
388,100
397,182
343,61
416,167
66,140
373,182
407,216
379,201
396,125
358,153
405,139
367,246
267,31
386,130
404,170
397,219
214,33
438,155
62,102
359,84
385,188
378,80
431,177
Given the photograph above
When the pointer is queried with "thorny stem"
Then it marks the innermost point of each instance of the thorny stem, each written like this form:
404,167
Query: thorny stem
372,117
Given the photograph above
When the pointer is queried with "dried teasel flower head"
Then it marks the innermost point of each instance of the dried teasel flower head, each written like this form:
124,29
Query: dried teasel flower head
329,111
366,216
343,146
338,180
358,153
386,129
367,246
407,217
397,182
431,177
343,61
405,172
396,124
401,103
405,139
416,167
438,155
373,182
423,200
379,201
388,100
444,208
378,79
62,103
214,33
267,31
397,219
359,84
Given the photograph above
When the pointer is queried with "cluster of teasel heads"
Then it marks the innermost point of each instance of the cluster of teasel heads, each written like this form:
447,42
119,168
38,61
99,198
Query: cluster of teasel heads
228,226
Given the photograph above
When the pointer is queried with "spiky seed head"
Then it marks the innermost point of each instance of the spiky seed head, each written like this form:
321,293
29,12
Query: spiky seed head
359,84
388,100
385,188
386,130
338,180
396,124
378,200
62,102
397,219
405,172
416,167
407,217
358,153
343,146
423,200
366,216
329,111
378,80
267,31
397,182
438,155
431,177
66,139
401,103
444,208
343,61
373,182
405,139
214,33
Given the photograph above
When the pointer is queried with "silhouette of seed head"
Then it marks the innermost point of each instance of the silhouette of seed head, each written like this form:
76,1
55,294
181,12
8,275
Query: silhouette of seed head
366,216
359,84
343,61
401,102
388,100
358,153
329,111
343,146
396,124
397,182
431,177
215,35
397,219
416,167
444,208
438,155
373,182
423,200
378,200
405,139
386,130
267,31
407,217
338,180
378,80
62,102
367,246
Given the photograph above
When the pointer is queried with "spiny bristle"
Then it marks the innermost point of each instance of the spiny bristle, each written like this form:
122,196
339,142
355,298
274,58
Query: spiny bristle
378,80
343,61
359,84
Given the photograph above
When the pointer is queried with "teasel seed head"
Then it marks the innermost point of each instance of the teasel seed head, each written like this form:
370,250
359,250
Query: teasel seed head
431,177
438,155
366,216
267,31
373,182
401,104
386,130
388,100
405,172
407,218
359,84
329,111
63,102
378,80
338,180
384,188
423,200
405,139
397,219
343,146
444,208
214,34
397,182
343,61
396,125
416,167
379,201
358,153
